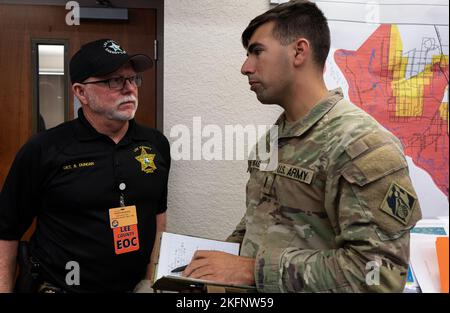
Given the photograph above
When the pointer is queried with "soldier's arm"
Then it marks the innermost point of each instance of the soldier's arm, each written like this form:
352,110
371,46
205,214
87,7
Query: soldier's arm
239,233
375,207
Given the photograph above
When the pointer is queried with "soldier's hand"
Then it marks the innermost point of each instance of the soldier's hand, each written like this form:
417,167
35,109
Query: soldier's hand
221,267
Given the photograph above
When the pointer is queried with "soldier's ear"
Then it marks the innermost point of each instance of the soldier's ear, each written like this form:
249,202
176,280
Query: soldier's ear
302,51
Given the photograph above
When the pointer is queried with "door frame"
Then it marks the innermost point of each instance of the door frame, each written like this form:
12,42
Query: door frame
158,6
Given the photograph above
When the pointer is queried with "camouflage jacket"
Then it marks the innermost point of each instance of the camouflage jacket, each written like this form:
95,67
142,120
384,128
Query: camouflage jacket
336,213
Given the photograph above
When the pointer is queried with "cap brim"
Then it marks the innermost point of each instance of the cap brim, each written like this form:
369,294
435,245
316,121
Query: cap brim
139,62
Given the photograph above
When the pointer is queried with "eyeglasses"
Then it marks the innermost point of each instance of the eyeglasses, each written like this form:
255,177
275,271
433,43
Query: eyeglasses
118,83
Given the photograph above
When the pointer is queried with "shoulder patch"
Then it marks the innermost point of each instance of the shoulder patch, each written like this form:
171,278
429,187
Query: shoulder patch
398,203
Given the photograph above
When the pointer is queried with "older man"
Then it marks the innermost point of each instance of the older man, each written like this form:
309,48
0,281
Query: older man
97,184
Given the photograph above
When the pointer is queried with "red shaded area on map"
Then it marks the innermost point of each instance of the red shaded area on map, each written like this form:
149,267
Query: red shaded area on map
425,138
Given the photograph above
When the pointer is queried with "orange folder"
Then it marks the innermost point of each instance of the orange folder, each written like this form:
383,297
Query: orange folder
442,254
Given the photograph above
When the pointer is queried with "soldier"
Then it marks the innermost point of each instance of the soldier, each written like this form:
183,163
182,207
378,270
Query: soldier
336,213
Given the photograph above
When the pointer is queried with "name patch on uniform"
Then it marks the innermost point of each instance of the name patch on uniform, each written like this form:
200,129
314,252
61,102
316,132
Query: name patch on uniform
255,164
294,172
398,203
74,166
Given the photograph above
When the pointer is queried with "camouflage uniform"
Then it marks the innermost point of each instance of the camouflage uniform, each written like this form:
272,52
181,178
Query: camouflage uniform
338,208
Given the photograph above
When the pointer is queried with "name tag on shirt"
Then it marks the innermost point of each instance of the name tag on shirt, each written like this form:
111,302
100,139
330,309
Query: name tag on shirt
286,170
294,172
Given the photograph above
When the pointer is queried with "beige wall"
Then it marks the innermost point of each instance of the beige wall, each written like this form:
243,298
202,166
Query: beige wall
203,56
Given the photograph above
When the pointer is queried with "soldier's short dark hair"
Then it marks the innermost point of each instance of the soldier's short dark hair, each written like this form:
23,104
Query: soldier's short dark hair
294,19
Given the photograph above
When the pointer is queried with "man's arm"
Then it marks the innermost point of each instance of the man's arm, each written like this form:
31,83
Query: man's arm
145,285
8,255
161,221
239,233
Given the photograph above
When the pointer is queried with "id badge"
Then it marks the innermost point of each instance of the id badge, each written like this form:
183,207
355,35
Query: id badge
123,216
123,222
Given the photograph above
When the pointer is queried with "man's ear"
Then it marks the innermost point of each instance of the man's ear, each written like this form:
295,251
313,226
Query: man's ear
80,92
302,51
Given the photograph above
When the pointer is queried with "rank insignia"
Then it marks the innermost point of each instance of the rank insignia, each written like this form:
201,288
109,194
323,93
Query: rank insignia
147,161
398,203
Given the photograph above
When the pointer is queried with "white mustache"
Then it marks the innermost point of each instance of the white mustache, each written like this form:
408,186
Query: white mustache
126,99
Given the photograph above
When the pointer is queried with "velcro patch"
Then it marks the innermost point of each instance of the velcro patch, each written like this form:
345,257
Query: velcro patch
367,142
254,164
294,172
398,203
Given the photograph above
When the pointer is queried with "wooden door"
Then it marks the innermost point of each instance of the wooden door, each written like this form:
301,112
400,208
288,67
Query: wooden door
20,24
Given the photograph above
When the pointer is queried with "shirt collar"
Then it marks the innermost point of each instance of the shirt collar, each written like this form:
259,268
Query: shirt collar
84,131
316,114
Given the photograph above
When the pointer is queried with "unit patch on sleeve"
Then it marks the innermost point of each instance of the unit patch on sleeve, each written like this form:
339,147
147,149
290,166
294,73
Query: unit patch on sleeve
398,203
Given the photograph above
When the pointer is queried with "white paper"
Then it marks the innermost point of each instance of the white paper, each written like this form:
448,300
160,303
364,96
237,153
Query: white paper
423,255
178,250
425,264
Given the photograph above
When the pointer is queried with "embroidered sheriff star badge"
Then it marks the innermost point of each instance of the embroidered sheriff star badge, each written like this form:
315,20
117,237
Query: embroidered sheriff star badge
398,203
147,161
112,47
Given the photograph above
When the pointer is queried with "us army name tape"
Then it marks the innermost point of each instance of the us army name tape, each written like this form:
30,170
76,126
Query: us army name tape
286,170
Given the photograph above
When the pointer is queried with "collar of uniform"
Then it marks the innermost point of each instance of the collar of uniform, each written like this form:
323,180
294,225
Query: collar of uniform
86,132
315,115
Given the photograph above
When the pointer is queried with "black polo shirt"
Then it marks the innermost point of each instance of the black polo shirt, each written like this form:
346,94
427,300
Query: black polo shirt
69,177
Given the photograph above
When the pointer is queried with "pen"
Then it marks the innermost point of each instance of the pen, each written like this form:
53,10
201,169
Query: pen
179,269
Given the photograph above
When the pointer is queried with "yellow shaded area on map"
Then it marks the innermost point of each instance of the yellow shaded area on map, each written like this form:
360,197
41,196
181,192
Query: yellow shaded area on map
409,93
443,110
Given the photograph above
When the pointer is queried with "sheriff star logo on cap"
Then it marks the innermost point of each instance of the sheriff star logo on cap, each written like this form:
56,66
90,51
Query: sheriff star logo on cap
112,47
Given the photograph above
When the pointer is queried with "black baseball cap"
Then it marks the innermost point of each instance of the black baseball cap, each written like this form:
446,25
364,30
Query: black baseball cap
101,57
